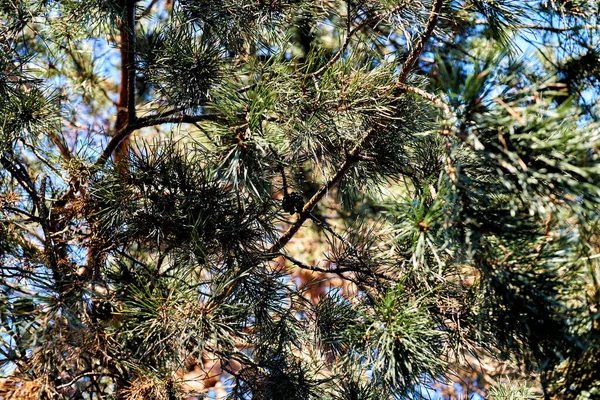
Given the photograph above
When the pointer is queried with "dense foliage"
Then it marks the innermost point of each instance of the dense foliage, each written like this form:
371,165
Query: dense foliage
299,199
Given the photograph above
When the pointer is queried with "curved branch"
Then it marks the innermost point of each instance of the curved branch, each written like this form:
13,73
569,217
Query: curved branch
81,376
351,159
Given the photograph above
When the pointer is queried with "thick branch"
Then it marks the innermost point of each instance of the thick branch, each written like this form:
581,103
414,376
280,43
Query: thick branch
418,49
131,50
126,102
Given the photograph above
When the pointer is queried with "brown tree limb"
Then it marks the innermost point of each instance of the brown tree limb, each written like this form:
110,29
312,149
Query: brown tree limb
126,102
423,39
131,54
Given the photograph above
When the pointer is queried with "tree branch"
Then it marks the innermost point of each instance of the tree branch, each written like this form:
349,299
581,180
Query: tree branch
337,271
351,159
553,29
177,119
126,102
418,49
80,376
24,212
353,155
308,267
17,171
426,95
131,49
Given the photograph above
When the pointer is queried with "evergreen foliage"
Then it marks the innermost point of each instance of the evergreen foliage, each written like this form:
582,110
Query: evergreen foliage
299,199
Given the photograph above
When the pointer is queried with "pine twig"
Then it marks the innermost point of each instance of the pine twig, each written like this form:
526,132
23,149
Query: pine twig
349,35
426,95
337,271
418,49
80,376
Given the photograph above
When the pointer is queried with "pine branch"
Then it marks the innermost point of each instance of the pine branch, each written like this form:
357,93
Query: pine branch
338,271
553,29
418,49
30,216
427,96
80,376
131,49
557,29
303,265
126,113
178,119
354,155
351,159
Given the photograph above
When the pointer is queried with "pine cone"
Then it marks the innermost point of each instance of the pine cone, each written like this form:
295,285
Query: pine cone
292,203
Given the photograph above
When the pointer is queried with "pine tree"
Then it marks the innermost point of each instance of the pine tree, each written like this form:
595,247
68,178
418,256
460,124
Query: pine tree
299,199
